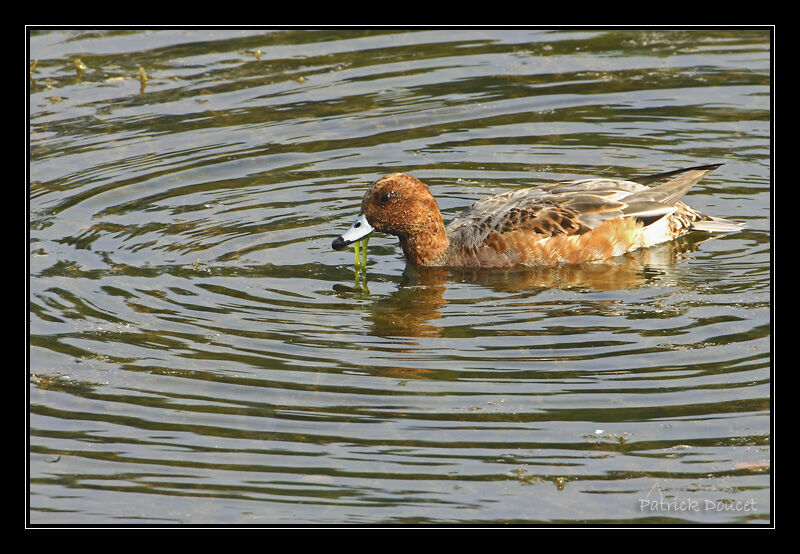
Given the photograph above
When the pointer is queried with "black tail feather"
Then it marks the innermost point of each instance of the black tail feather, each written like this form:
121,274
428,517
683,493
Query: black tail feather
647,179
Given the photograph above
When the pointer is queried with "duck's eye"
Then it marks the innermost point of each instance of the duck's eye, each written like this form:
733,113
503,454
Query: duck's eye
385,198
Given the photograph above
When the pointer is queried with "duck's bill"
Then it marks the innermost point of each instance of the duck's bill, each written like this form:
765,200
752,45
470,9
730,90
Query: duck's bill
357,231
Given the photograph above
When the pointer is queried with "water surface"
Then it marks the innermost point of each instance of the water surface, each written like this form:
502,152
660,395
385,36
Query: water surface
198,354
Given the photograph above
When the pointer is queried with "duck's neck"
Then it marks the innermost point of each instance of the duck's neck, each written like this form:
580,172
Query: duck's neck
426,244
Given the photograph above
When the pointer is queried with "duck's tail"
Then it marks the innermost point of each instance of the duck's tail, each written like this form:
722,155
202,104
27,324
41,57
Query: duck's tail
663,197
647,179
712,224
674,189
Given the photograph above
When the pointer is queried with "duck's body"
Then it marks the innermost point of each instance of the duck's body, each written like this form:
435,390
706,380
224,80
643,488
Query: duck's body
570,222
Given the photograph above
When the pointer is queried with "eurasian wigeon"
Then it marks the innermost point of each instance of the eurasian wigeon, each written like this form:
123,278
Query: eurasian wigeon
569,222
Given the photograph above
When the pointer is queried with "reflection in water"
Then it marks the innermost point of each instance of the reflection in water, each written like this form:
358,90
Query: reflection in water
411,311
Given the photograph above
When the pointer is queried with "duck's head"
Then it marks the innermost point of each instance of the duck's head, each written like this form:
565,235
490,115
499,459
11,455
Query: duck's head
397,204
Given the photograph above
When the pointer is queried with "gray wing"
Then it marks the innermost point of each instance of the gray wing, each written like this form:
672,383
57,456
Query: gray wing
572,207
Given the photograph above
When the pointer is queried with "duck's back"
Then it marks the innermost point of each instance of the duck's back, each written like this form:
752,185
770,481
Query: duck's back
575,221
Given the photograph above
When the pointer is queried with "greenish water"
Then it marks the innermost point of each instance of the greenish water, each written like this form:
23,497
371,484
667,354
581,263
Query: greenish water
199,355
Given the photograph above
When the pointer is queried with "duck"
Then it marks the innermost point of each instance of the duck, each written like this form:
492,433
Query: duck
568,222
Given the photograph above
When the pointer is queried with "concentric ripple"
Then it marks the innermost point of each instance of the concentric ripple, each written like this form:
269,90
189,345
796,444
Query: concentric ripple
198,354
